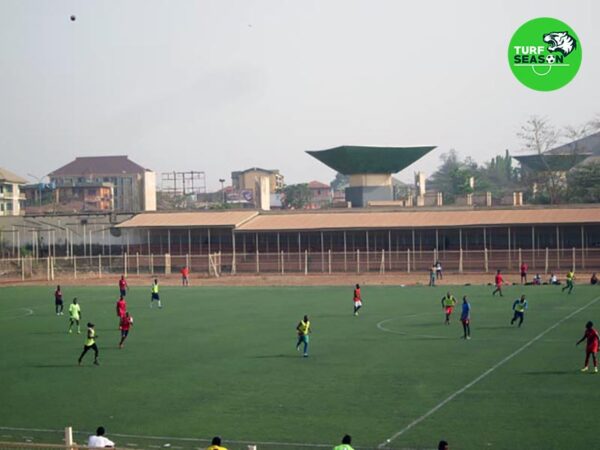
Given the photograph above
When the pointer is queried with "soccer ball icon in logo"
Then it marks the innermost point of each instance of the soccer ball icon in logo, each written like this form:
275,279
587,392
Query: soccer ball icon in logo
550,59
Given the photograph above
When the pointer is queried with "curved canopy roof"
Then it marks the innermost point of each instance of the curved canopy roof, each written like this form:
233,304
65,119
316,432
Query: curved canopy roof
553,162
352,159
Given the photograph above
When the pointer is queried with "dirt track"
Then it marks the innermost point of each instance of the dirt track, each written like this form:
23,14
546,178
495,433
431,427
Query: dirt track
415,278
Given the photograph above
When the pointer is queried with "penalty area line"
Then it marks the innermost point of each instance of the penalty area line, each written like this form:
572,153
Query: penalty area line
484,374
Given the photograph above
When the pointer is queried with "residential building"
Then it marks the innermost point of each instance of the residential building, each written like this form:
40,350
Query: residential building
320,195
11,197
134,187
246,180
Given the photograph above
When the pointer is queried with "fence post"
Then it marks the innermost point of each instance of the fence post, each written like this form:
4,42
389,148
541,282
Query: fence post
69,438
520,260
52,268
75,267
22,270
408,260
282,260
357,261
546,262
99,265
257,261
329,260
485,260
125,264
573,257
151,263
48,268
305,262
137,263
460,260
382,267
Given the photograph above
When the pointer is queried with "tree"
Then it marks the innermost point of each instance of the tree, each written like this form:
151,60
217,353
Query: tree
452,176
295,196
340,182
584,184
499,176
538,136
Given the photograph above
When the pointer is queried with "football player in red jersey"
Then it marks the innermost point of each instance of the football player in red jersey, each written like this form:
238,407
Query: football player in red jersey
591,347
126,322
499,281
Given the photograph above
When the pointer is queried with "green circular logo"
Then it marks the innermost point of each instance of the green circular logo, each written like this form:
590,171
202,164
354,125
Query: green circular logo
544,54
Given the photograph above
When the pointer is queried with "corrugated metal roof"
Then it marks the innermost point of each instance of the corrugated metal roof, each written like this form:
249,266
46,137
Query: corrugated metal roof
89,165
7,175
189,219
420,219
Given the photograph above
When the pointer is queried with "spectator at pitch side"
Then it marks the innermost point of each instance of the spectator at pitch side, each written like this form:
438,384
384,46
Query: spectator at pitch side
345,445
99,440
443,445
594,279
216,444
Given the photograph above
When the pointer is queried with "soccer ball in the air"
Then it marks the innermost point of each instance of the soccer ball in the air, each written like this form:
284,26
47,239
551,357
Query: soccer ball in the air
550,59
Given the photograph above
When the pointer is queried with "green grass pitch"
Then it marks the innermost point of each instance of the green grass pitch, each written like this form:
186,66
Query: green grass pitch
223,361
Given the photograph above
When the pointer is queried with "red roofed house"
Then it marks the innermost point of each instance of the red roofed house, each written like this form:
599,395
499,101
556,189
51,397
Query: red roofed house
134,186
320,195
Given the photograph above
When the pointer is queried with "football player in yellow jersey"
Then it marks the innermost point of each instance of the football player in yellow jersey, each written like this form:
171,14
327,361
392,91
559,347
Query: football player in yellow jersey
90,343
570,281
303,330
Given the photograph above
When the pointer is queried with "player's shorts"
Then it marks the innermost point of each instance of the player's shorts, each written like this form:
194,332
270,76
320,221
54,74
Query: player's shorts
155,296
519,314
123,292
124,333
523,274
499,286
58,301
465,321
449,309
121,314
74,319
303,338
357,303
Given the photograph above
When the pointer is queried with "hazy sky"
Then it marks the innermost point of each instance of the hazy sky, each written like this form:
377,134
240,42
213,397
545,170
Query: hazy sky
225,85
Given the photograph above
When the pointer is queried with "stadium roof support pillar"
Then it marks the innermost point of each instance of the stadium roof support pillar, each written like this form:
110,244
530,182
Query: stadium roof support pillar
484,238
533,246
322,253
233,265
557,247
345,255
299,252
582,247
189,241
509,255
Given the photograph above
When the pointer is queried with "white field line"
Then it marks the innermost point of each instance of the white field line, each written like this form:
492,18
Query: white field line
484,374
28,312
